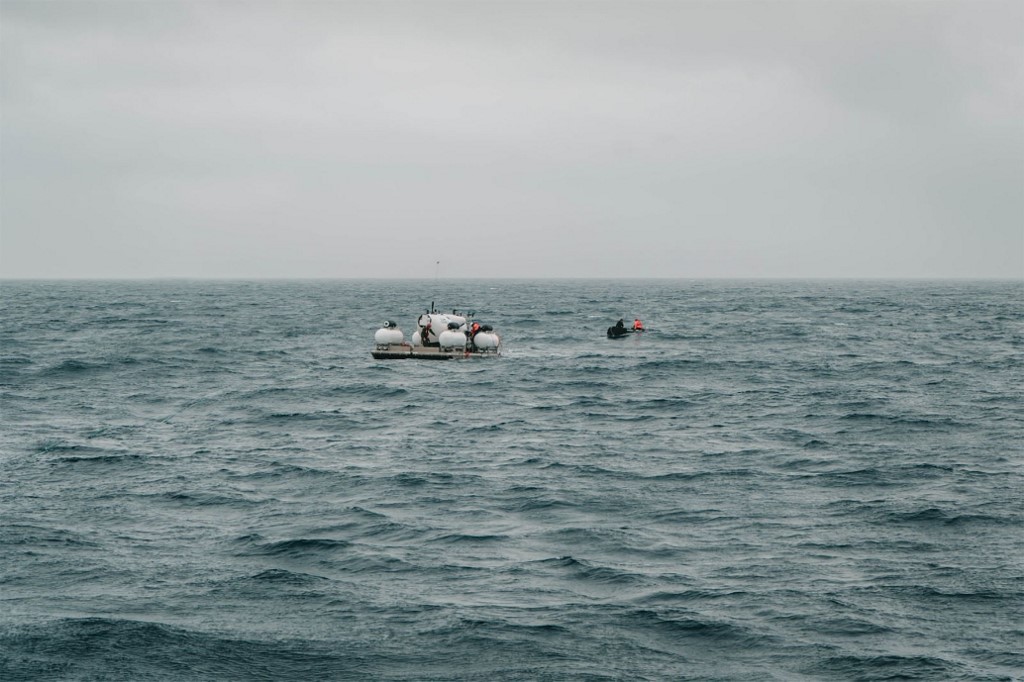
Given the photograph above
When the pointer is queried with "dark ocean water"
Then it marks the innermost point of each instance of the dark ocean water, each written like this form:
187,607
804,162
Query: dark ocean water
781,480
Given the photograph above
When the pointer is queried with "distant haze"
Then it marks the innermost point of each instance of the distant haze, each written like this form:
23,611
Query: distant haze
511,139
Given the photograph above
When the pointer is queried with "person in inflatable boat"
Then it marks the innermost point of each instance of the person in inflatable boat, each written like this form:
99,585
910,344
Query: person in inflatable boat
638,326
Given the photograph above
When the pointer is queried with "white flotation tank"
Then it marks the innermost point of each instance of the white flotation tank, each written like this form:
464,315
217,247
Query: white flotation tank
452,338
389,333
487,341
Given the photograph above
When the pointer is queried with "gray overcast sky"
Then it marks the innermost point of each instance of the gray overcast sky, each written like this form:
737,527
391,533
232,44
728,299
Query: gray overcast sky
511,139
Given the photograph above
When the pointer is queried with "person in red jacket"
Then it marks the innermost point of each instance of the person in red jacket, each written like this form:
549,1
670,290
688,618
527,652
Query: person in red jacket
638,326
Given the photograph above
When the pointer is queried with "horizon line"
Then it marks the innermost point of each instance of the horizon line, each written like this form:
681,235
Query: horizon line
215,278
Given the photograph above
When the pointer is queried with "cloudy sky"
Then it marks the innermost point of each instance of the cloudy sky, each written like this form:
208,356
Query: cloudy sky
167,138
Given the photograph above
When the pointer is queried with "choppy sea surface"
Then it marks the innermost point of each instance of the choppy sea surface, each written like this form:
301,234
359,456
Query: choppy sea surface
798,480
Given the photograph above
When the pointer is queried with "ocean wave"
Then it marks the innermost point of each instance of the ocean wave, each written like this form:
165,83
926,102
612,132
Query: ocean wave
339,417
905,420
493,428
496,630
276,469
582,571
669,404
694,627
891,667
561,561
100,457
469,538
870,476
71,453
207,499
111,648
369,390
1008,596
415,479
15,534
294,547
686,516
885,512
279,576
70,367
900,475
845,626
14,362
698,475
665,597
541,503
584,469
944,517
669,365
